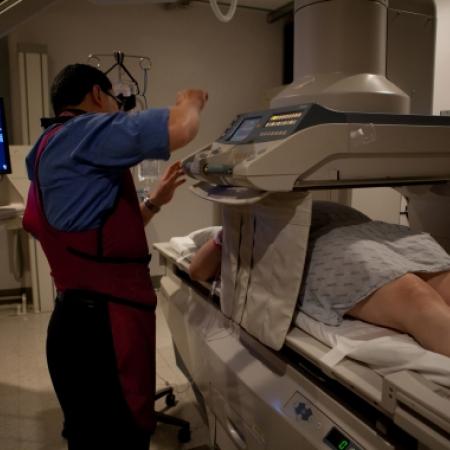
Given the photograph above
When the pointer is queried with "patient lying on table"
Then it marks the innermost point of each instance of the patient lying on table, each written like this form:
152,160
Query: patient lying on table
381,273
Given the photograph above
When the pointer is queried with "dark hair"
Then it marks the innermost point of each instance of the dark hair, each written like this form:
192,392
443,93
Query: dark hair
72,84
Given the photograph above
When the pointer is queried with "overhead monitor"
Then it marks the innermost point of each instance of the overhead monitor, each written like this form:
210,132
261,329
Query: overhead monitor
5,162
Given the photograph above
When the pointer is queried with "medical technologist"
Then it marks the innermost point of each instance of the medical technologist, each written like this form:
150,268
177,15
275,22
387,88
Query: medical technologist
83,208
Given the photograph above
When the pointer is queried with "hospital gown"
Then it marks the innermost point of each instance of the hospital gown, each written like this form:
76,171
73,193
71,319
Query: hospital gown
350,257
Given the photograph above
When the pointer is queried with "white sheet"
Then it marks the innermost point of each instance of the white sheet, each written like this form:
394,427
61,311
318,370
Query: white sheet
186,246
384,350
200,237
263,256
183,246
11,210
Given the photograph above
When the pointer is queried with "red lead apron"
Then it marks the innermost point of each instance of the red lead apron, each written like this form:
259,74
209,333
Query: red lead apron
111,260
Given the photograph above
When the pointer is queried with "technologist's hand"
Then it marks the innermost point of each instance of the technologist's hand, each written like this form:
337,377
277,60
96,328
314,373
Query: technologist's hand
195,96
167,184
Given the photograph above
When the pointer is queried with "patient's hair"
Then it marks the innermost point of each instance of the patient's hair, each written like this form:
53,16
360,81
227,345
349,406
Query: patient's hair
73,83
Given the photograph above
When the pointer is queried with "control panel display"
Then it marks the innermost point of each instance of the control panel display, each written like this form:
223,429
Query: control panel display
281,125
4,150
245,129
337,441
284,120
264,126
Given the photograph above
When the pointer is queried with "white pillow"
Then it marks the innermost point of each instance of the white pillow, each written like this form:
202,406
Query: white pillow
203,235
184,245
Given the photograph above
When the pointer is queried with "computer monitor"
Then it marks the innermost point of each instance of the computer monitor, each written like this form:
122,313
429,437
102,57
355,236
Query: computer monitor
5,161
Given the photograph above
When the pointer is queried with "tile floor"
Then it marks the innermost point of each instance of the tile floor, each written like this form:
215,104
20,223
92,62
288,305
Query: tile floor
30,418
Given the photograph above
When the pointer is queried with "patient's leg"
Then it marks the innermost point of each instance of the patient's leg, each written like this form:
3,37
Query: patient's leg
411,305
440,282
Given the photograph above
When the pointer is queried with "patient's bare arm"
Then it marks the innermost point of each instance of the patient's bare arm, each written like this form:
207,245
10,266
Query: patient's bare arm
205,263
412,305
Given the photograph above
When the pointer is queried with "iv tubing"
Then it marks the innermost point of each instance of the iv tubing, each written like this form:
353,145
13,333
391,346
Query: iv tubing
224,17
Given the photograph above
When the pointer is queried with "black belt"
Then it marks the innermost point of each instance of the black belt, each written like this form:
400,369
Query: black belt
95,299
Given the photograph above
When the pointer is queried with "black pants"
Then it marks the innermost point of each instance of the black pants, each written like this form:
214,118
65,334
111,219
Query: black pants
82,366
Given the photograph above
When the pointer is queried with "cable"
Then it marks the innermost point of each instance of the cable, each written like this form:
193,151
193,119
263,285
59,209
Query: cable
224,17
144,90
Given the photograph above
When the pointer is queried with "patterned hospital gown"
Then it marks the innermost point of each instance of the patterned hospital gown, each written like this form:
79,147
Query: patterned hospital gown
350,257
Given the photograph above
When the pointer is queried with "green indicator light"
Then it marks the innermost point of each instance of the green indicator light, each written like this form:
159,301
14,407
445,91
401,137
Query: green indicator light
343,445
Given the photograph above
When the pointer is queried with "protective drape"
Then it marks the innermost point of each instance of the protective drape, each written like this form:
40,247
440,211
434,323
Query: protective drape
263,257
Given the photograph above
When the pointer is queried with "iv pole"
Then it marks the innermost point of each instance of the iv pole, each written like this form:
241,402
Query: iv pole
119,57
148,170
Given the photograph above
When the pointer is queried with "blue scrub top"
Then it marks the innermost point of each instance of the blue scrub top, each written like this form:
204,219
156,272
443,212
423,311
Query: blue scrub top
81,168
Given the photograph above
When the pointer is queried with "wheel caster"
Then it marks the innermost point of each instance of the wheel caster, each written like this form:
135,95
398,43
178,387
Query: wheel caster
170,400
184,435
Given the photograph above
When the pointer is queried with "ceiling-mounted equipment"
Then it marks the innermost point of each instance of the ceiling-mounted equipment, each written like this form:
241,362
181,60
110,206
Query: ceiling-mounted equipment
340,58
223,17
220,15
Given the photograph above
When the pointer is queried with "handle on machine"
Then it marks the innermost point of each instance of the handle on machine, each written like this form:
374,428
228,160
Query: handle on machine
235,435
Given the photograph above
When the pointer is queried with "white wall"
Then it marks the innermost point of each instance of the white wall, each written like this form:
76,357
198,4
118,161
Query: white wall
442,68
236,62
7,278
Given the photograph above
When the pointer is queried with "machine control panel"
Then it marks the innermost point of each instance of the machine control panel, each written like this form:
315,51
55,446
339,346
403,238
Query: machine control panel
279,123
302,411
265,126
316,425
338,441
268,151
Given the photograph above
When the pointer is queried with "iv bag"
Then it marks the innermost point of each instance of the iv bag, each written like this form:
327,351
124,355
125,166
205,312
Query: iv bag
148,172
126,89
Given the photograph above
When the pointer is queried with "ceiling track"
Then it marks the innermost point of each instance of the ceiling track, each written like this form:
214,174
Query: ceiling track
6,5
273,15
254,8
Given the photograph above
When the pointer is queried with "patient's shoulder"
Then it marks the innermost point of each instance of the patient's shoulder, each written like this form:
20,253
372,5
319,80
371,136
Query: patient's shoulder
326,214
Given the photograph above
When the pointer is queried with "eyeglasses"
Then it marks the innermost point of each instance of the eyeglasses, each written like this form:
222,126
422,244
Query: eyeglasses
120,103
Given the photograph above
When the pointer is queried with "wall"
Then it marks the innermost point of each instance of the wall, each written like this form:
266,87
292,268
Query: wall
8,246
410,65
410,57
236,62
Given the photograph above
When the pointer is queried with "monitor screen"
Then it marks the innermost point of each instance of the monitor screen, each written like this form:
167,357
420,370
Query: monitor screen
5,164
245,129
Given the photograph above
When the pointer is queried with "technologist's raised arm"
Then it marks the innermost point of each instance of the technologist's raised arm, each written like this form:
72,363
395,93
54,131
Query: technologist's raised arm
184,122
184,117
